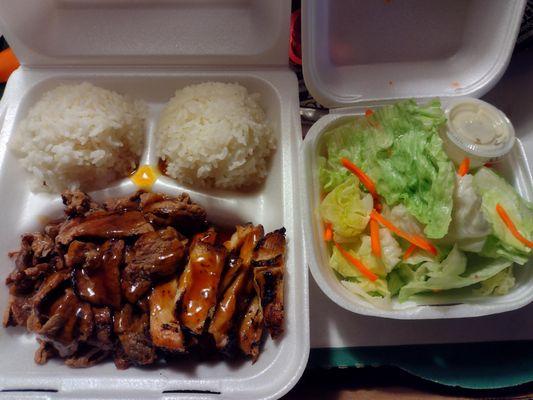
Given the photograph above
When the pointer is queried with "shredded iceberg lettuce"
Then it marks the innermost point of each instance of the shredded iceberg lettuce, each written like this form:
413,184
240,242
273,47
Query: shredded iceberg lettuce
348,272
455,271
499,284
400,149
469,227
495,190
347,209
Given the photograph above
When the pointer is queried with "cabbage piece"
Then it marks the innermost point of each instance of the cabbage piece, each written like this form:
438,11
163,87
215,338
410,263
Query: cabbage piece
495,190
452,273
499,284
400,149
347,208
469,227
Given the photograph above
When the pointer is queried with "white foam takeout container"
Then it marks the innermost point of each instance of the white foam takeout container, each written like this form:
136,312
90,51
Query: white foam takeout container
148,50
359,54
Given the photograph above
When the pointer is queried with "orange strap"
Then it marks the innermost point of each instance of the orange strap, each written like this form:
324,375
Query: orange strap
8,63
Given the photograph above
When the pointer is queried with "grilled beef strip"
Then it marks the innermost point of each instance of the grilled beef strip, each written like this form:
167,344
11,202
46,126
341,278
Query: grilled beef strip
136,348
154,255
103,225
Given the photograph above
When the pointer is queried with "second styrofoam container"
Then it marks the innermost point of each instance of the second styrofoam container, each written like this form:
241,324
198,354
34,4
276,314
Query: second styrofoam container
359,54
514,168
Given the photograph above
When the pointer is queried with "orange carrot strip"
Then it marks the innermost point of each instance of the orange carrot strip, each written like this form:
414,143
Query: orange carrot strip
511,226
464,167
364,178
355,262
409,252
328,233
371,121
414,239
374,238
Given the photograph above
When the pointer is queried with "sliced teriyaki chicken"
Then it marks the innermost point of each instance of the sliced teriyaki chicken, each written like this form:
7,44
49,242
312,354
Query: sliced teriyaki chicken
250,332
165,329
234,282
226,310
241,243
200,284
268,272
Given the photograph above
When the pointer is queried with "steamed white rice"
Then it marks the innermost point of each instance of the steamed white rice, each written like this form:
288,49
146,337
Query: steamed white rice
215,135
80,136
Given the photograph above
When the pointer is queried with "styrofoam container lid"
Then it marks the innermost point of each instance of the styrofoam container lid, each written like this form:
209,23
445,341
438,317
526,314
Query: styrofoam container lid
363,51
147,32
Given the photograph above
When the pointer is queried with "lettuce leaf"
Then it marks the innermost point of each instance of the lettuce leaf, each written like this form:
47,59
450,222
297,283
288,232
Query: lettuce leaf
400,149
362,251
469,227
400,216
347,208
499,284
391,252
495,190
495,248
452,273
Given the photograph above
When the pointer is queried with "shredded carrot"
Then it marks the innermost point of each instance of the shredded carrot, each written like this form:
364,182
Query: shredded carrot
356,263
413,239
372,121
374,238
409,252
511,226
464,167
328,233
364,178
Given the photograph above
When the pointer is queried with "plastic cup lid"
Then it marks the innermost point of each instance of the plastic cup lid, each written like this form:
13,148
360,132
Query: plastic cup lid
479,128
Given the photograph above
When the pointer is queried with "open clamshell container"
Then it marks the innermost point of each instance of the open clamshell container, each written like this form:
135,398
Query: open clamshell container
147,50
359,54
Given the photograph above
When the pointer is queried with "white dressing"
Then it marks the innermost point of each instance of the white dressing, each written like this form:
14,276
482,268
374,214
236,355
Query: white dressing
478,125
477,130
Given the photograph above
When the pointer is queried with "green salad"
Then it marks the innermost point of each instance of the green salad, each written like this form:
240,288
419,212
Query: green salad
402,220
